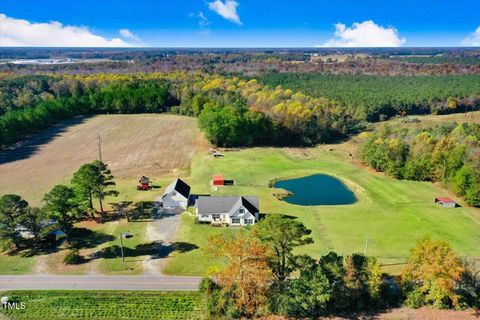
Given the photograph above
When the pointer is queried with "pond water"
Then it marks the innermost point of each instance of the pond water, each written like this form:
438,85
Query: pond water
317,189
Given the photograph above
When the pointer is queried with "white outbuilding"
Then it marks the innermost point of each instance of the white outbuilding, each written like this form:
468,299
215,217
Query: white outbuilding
176,195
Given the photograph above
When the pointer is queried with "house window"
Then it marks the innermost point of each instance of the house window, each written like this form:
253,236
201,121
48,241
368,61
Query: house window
216,217
241,210
235,221
174,193
204,215
248,221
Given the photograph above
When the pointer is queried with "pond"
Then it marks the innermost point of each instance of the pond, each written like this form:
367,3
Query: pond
317,189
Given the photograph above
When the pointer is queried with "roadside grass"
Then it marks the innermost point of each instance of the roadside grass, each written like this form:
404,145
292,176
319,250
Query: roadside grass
106,305
395,214
16,264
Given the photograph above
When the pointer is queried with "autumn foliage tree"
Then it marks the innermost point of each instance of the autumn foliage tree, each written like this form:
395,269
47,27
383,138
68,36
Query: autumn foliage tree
432,275
246,275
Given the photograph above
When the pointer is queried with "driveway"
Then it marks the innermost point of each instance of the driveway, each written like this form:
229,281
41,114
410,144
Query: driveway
161,230
98,282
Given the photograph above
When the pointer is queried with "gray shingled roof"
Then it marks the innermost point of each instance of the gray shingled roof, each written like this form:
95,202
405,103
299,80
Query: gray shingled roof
225,204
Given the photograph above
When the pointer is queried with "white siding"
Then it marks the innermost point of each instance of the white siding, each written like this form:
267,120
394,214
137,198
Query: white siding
175,200
237,216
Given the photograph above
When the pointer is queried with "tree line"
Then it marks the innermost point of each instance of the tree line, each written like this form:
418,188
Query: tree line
262,276
23,226
34,103
231,111
448,153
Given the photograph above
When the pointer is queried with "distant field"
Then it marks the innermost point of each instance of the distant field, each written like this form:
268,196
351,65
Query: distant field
431,120
132,145
108,305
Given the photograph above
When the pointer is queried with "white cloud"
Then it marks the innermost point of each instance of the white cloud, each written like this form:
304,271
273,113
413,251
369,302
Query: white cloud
127,34
21,33
473,40
203,20
364,34
227,10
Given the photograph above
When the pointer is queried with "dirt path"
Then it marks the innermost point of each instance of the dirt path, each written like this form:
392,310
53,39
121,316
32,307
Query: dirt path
162,231
41,266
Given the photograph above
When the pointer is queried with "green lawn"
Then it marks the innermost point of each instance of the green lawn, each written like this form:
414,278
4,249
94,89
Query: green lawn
197,261
15,264
395,213
114,305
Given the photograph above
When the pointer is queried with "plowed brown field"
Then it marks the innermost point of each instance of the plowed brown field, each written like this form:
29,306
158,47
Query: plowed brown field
132,145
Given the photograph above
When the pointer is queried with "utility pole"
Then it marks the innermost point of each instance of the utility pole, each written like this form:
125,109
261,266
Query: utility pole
121,247
127,235
99,146
369,237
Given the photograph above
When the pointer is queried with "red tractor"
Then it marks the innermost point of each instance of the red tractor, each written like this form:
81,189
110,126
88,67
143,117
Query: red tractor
144,184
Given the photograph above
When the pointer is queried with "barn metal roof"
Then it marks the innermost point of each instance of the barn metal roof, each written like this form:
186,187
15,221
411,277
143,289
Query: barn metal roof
445,199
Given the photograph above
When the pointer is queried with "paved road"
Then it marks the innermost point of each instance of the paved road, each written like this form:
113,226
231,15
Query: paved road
99,282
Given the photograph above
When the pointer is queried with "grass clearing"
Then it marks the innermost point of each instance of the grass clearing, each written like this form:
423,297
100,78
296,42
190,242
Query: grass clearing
394,213
106,305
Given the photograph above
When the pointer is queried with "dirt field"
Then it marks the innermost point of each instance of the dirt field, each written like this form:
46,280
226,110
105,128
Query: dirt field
132,145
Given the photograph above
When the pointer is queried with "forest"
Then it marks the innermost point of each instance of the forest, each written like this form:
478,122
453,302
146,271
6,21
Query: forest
375,98
448,153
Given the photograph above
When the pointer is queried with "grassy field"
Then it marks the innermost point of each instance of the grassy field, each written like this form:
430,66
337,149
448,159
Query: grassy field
65,305
394,213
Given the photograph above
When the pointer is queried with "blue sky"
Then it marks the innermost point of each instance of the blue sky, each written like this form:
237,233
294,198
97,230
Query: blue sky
241,23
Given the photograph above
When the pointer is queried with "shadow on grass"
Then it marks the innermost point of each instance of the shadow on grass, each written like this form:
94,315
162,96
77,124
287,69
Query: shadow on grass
156,250
83,238
262,216
27,148
80,238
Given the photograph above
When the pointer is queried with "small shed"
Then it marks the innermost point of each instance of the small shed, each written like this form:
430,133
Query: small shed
218,180
445,202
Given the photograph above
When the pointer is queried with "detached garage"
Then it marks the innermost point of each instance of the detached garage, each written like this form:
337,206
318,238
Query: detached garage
445,202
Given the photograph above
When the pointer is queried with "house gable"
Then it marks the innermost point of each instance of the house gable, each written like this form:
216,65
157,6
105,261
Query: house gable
177,186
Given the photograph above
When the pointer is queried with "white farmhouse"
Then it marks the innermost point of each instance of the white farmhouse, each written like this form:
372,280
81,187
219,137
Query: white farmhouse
176,195
233,211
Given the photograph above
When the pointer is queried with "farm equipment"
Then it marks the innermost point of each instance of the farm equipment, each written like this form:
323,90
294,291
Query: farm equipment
144,184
